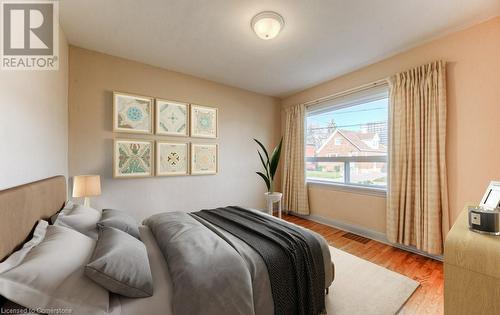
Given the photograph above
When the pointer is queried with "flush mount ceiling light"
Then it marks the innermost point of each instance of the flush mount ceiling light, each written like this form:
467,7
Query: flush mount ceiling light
267,24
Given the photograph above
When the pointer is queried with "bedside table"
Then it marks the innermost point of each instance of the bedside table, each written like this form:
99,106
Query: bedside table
471,270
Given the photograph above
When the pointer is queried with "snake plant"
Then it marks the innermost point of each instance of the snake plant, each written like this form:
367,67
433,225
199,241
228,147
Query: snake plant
270,164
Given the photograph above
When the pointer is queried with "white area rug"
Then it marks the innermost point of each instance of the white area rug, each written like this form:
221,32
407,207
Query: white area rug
361,287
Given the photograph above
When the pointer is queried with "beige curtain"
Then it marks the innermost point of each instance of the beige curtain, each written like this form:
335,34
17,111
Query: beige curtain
294,177
417,212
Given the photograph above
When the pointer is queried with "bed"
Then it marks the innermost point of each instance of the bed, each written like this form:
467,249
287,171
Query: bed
188,278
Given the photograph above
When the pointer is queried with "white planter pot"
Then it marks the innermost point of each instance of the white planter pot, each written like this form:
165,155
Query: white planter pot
271,199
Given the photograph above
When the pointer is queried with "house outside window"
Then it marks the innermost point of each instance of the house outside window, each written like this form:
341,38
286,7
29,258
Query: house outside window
347,140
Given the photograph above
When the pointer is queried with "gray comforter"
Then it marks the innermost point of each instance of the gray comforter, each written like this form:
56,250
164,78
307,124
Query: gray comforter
212,270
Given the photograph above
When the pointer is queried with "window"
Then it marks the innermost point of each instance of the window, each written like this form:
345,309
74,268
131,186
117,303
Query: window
347,140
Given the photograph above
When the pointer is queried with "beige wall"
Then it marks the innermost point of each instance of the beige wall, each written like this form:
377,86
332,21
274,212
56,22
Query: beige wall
473,143
34,122
358,209
242,116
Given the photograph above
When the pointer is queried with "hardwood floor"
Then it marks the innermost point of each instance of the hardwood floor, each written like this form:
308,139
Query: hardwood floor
427,299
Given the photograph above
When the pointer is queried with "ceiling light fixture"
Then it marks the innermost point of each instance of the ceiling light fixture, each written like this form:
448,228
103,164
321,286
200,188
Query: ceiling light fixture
267,24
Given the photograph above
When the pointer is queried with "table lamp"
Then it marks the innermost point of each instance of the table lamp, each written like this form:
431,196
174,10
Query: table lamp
86,186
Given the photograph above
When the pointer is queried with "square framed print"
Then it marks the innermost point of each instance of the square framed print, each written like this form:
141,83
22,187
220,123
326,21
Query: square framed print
204,159
172,158
132,113
203,121
133,158
172,118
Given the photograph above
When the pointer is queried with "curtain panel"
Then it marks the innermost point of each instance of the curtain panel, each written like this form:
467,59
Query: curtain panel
294,178
417,207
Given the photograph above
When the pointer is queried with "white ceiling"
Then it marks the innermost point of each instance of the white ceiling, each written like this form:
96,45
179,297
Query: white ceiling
212,39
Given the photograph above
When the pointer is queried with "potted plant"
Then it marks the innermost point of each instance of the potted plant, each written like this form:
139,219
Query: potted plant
270,164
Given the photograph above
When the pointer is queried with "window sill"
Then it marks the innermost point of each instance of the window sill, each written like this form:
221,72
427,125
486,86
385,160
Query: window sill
356,189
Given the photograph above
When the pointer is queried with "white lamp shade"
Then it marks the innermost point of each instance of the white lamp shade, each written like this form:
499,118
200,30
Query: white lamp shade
86,186
267,25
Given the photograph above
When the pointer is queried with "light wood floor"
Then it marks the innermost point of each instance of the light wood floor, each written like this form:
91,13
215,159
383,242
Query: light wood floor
427,299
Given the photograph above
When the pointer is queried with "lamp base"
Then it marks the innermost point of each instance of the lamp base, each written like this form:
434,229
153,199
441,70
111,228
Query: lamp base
86,202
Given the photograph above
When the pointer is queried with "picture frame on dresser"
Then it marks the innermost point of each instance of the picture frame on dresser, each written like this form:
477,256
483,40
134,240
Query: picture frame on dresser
204,121
132,113
171,118
133,158
172,158
204,158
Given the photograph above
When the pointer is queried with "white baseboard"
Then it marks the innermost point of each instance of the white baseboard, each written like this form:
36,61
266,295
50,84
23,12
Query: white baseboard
371,234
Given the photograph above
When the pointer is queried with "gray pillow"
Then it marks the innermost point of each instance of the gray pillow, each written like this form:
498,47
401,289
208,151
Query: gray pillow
120,264
79,218
119,220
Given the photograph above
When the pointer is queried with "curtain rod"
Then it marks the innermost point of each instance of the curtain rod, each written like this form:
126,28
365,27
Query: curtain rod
346,92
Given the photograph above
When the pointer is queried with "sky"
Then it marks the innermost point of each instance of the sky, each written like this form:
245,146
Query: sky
351,118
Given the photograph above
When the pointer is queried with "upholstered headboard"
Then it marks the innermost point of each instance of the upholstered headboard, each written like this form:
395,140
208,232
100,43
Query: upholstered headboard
22,206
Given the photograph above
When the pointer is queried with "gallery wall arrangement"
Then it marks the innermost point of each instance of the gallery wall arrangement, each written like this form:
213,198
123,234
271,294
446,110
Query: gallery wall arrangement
136,158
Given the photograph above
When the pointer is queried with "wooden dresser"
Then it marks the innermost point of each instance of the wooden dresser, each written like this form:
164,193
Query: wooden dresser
471,271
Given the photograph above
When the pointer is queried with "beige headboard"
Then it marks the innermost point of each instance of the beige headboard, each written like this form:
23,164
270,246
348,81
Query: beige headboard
22,206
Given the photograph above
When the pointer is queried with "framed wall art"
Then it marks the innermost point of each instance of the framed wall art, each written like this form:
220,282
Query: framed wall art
203,121
133,158
204,159
172,158
172,118
132,114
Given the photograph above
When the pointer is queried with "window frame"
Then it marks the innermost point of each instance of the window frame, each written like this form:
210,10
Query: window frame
350,99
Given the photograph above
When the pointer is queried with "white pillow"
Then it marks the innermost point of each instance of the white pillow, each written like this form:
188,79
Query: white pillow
51,275
80,218
17,257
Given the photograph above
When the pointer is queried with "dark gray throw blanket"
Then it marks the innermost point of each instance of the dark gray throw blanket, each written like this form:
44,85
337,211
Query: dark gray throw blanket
293,257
